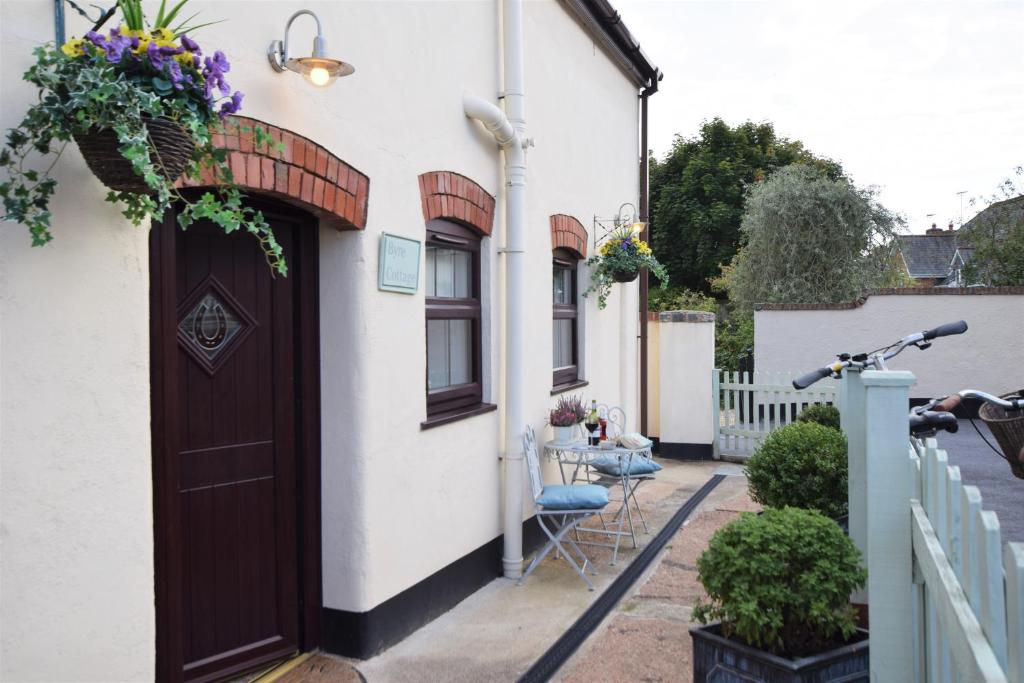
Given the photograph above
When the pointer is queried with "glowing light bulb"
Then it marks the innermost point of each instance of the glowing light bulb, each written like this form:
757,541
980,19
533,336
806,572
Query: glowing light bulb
319,76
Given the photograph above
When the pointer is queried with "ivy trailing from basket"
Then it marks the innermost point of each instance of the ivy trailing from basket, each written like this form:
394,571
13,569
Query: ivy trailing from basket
122,82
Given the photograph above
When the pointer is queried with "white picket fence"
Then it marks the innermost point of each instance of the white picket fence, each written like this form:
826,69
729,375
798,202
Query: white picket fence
750,406
968,589
945,597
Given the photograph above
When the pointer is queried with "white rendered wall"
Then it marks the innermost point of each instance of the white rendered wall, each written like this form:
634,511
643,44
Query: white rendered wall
686,362
982,358
399,503
76,522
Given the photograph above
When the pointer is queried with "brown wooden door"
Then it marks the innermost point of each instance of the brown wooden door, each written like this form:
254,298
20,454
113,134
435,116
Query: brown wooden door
228,471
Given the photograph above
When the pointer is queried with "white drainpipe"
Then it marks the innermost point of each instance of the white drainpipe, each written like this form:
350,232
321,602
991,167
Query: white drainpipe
508,128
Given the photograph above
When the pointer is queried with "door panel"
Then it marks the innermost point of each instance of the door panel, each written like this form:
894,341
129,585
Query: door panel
229,345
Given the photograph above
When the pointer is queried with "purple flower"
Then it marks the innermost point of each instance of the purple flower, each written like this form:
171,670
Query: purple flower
116,46
96,39
175,72
233,105
197,63
191,45
157,55
221,62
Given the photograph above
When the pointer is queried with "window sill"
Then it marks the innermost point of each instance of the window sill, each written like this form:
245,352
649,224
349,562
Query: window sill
562,388
456,415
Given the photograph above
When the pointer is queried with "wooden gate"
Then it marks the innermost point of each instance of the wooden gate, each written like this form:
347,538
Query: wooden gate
750,406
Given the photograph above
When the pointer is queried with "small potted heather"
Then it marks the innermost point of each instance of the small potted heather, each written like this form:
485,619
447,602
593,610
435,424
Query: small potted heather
565,418
778,606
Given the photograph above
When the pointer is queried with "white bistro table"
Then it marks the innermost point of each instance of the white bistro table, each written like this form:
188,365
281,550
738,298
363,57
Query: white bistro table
580,455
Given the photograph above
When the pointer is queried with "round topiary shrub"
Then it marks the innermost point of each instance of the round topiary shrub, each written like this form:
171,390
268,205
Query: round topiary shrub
820,413
802,465
781,582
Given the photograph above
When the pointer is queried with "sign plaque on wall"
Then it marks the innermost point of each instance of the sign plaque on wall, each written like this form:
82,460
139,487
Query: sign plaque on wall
399,264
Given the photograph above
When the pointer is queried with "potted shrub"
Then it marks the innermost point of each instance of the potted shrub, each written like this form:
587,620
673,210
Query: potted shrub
821,413
778,588
565,418
142,101
802,465
620,259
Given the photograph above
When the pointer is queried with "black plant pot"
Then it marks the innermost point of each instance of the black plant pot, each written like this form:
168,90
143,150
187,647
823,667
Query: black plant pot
717,659
625,275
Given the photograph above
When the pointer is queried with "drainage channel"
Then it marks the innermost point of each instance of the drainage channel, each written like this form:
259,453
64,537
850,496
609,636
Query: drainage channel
552,660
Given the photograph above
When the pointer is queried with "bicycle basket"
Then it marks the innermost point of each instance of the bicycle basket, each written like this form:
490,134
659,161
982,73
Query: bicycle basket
1008,428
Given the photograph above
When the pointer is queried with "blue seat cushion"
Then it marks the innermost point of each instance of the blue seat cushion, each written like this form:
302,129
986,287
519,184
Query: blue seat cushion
611,465
580,497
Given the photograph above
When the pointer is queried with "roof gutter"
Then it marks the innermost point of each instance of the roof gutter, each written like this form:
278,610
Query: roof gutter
606,26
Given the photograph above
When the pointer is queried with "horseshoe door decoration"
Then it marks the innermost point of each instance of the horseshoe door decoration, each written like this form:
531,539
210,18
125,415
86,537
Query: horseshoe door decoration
211,323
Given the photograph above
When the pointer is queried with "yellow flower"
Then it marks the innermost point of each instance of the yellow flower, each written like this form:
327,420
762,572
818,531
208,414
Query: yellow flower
74,47
184,59
163,36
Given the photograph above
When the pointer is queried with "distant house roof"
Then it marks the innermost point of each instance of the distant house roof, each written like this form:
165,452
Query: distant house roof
928,256
1006,211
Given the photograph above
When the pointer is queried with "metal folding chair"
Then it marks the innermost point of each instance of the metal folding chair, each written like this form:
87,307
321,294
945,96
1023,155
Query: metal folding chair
559,510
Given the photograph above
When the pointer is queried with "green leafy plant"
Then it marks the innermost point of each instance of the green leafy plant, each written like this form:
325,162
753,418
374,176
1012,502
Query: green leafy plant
680,299
821,413
118,82
802,465
622,253
781,582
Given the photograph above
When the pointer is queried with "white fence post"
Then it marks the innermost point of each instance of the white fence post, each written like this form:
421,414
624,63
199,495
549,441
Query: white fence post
716,419
852,419
889,548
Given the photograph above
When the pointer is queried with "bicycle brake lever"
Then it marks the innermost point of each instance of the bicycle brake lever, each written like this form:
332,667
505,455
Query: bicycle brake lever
923,345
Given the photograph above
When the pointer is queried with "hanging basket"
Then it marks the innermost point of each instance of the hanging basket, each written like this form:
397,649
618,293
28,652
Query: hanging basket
173,147
1008,428
625,275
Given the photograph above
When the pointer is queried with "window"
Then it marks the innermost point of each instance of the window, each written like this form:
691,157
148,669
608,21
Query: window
565,324
453,318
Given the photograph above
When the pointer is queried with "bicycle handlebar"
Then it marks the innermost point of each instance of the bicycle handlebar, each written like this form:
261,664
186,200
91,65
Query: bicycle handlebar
810,378
959,327
877,358
948,404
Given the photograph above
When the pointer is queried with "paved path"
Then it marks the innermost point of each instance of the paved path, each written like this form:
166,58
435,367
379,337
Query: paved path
646,638
1001,492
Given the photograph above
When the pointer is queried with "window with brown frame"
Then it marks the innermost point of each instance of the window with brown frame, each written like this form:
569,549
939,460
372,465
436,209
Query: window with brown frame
565,333
453,319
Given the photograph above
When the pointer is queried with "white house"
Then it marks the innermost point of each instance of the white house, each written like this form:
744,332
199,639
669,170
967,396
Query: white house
204,467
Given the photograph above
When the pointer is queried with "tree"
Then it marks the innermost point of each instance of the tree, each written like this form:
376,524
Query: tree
808,238
697,194
996,238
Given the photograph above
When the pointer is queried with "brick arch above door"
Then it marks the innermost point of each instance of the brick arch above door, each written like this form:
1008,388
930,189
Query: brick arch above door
568,233
454,197
293,169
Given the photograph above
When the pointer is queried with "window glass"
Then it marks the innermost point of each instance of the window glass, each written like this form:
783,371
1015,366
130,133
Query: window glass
563,342
449,353
449,273
562,286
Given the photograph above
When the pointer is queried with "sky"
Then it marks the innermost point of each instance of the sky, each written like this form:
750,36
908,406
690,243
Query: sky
921,99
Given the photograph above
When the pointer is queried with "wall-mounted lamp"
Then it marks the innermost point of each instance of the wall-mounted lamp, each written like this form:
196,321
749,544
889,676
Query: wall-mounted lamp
629,218
318,69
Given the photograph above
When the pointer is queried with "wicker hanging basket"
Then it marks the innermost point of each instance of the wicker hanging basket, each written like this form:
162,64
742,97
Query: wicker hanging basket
1008,428
625,275
173,147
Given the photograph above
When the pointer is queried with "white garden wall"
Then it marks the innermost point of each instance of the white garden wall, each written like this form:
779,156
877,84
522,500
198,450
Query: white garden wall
800,338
